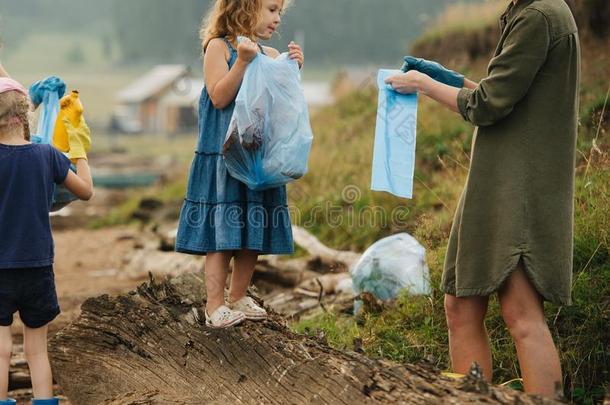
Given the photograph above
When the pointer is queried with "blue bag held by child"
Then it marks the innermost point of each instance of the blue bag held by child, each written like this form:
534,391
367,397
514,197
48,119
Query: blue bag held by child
46,94
269,137
395,135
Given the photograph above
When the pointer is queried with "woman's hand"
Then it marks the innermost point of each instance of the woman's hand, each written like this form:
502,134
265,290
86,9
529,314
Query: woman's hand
417,82
295,52
407,83
247,50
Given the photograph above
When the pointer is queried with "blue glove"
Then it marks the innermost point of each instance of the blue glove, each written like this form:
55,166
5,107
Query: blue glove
51,83
435,70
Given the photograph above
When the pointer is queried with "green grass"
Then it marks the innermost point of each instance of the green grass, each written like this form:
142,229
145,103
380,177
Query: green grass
339,331
120,215
171,193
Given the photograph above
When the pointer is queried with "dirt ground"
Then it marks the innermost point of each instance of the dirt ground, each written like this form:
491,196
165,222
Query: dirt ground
87,264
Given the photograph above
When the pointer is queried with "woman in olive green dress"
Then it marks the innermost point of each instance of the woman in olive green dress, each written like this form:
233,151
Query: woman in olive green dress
512,232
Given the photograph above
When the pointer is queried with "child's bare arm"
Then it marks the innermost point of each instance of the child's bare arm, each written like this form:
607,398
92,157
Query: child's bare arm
80,183
223,84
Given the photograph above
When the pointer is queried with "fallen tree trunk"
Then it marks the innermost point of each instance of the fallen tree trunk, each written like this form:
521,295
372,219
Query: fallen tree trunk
329,257
143,261
285,273
150,347
294,305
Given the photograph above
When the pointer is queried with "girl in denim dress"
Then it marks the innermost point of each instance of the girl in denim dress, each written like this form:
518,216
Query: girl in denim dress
221,218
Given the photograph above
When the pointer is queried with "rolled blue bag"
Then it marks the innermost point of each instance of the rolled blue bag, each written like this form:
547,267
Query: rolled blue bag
269,137
46,94
395,138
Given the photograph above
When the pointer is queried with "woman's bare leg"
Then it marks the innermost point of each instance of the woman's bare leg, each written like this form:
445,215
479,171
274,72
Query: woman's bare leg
523,312
468,340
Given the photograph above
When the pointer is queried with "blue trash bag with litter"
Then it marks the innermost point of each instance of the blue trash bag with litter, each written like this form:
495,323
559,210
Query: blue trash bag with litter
46,95
269,137
390,266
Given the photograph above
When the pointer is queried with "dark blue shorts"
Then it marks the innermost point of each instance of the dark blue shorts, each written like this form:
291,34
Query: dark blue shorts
31,291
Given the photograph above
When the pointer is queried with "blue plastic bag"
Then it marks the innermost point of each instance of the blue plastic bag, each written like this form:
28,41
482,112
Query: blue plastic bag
395,136
269,137
392,265
46,94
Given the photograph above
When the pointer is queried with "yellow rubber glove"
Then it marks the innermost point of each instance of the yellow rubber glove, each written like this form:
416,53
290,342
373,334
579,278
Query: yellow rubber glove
79,139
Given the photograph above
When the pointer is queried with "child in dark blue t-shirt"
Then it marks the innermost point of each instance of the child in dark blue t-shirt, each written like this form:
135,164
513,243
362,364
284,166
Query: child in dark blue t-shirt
28,175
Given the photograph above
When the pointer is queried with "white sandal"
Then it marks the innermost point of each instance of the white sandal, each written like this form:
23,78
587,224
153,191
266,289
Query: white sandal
223,318
250,309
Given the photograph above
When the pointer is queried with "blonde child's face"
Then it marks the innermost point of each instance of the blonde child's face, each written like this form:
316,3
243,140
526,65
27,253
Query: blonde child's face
270,19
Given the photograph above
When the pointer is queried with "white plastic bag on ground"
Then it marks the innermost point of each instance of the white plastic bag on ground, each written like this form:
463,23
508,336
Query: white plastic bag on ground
391,265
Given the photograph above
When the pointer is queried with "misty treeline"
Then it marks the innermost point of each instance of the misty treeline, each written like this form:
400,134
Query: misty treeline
333,31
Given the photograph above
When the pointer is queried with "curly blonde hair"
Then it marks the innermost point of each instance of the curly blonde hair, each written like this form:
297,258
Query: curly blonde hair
232,18
15,110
